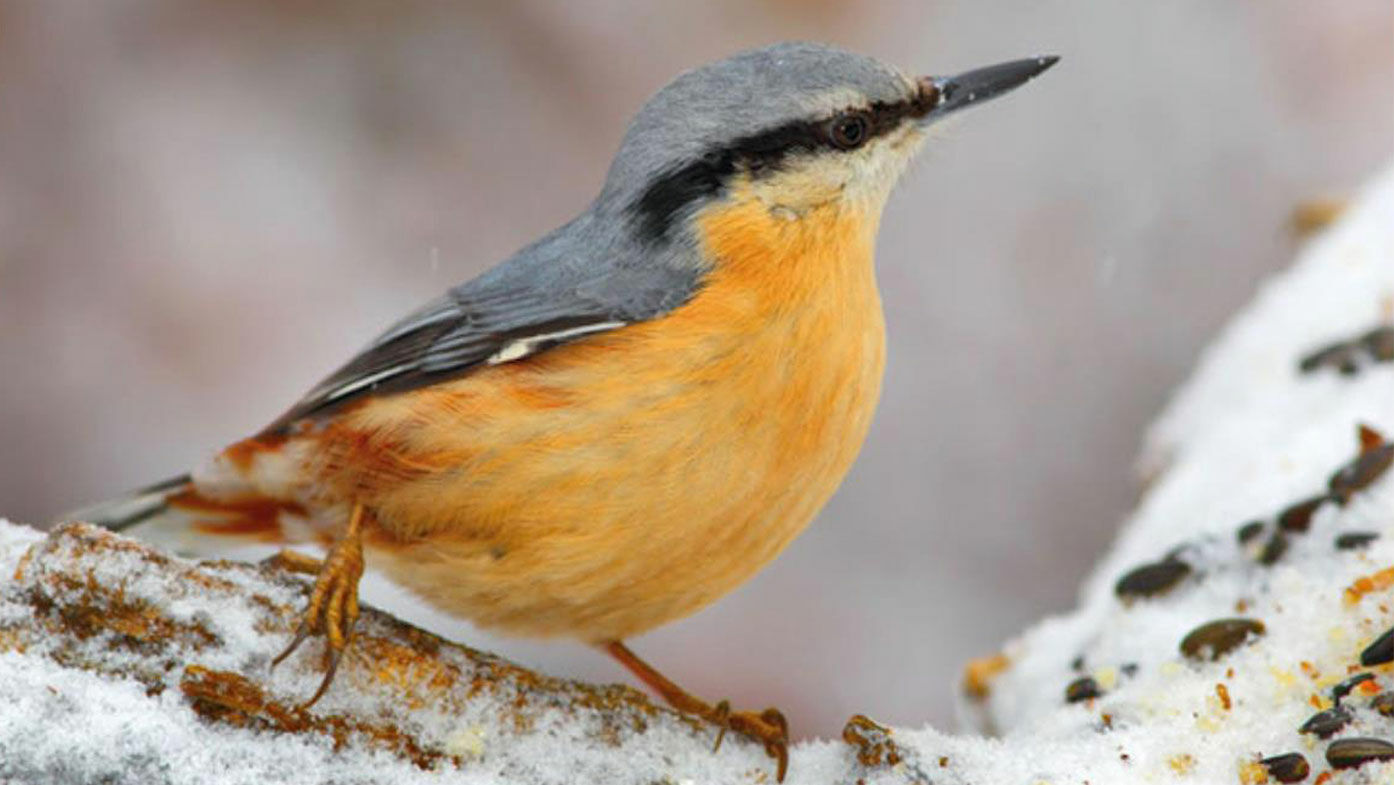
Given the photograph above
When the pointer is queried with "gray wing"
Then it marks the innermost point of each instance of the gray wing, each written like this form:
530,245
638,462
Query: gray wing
547,295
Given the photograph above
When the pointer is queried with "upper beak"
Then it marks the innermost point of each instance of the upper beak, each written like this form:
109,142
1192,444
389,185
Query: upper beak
981,84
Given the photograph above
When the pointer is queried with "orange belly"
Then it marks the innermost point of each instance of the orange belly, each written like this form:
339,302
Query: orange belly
605,487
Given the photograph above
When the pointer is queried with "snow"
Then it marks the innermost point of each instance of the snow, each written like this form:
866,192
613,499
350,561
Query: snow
1246,437
96,632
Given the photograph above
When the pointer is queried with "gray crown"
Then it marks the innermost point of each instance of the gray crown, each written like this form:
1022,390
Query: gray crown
710,107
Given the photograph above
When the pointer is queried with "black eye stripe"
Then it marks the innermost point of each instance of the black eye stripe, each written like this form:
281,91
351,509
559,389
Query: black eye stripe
670,193
758,150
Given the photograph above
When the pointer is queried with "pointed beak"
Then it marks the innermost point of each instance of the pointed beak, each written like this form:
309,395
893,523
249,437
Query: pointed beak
971,88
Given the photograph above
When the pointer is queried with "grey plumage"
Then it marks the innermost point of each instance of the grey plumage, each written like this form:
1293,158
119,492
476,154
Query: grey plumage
601,271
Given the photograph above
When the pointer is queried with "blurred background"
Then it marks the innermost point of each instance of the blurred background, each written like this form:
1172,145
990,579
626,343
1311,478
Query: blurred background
206,205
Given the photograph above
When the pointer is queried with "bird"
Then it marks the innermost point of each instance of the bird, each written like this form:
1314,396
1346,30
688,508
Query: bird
632,415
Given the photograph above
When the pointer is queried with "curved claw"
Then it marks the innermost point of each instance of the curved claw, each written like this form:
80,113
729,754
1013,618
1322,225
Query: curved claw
301,634
721,716
333,606
780,753
335,656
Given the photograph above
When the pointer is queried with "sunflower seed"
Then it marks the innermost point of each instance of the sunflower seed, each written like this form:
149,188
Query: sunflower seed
1249,531
1152,579
1082,689
1291,767
1324,724
1352,541
1298,517
1349,753
1365,469
1215,639
1333,355
1273,550
1379,652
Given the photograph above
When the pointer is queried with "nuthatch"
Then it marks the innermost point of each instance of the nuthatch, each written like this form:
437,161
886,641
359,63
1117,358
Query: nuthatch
631,416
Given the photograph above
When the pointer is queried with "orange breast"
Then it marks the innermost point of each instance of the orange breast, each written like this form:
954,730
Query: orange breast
607,486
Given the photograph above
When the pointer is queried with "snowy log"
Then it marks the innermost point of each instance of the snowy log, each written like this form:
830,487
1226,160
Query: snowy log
1238,632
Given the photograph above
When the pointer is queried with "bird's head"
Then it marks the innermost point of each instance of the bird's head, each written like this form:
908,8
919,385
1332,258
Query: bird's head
793,127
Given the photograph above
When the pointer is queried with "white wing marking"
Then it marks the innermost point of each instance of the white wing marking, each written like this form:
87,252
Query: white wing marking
517,350
360,383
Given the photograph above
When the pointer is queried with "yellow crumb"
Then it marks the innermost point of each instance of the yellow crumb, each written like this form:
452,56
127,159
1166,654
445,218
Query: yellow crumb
978,675
467,742
1106,678
1251,772
1182,764
1313,215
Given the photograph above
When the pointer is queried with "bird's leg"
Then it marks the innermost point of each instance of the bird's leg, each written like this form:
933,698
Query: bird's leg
767,727
333,607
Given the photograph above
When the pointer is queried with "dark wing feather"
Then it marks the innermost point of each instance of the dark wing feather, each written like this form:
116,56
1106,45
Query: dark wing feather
449,337
584,278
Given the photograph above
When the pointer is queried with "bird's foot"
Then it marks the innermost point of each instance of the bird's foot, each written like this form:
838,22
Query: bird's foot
333,607
768,727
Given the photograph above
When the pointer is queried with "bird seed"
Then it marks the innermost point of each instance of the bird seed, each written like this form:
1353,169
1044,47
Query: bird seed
1215,639
1349,753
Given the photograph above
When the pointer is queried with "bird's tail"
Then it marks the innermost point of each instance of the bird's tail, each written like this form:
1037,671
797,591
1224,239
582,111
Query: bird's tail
135,508
175,515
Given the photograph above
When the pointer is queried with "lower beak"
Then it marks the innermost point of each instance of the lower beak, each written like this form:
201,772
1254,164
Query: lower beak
981,84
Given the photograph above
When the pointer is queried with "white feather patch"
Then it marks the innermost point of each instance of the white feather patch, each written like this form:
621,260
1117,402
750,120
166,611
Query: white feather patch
517,350
361,382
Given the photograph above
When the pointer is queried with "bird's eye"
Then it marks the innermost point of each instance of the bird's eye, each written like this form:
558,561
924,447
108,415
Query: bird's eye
850,130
